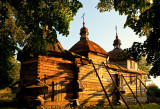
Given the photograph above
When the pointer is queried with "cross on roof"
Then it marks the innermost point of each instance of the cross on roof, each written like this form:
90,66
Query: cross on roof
116,28
83,19
116,31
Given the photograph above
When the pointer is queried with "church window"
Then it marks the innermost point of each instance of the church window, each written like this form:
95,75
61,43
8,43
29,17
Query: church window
131,78
100,73
133,65
121,83
130,63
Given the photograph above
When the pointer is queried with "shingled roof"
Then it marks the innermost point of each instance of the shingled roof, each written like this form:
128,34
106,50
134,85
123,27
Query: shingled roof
85,45
113,54
56,47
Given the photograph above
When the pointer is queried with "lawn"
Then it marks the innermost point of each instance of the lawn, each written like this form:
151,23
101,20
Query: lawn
6,103
144,106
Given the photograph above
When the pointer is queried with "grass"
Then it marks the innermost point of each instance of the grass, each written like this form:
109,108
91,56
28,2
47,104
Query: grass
144,106
6,94
7,103
6,97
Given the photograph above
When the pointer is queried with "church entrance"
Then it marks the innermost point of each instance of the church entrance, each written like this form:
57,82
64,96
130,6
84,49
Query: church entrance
116,95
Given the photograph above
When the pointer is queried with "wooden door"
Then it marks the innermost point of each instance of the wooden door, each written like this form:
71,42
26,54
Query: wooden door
116,95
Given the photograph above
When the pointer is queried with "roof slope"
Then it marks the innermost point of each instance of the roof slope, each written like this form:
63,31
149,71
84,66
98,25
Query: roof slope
113,54
85,45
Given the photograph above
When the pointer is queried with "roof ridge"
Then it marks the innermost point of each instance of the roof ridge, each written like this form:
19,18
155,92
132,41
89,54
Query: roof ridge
85,45
98,47
92,46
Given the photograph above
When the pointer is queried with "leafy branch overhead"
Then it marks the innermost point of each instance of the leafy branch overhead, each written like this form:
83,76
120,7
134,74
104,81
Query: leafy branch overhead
143,17
34,16
33,24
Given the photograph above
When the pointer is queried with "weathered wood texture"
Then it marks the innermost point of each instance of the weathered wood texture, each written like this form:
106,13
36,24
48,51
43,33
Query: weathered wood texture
93,93
64,75
28,75
97,58
29,71
131,80
122,63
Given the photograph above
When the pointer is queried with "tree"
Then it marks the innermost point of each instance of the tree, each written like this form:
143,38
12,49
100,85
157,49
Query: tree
145,67
14,74
34,24
9,35
42,19
143,17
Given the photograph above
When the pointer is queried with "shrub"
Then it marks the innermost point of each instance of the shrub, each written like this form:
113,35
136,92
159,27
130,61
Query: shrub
154,90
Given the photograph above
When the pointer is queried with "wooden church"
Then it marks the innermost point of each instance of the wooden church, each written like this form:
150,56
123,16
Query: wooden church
84,75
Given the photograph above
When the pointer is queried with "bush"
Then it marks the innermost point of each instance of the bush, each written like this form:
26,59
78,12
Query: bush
154,90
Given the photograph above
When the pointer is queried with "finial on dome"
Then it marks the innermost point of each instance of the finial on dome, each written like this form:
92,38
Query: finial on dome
117,42
84,30
116,31
83,19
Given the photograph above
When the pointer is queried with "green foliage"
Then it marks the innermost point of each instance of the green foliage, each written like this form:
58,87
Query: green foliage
136,51
143,65
143,17
14,73
42,19
154,90
34,24
7,45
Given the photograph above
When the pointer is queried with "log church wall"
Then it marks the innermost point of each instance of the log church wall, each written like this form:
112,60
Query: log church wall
63,73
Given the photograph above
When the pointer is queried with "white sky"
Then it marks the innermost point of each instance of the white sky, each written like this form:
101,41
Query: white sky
101,27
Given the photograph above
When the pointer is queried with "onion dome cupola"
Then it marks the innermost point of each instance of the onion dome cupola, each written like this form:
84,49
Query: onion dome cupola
84,46
84,31
116,50
117,42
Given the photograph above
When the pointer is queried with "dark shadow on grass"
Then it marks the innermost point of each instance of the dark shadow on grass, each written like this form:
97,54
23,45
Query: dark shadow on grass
6,103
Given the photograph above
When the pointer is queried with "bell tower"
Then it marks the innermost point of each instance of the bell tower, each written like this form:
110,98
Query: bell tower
84,31
117,42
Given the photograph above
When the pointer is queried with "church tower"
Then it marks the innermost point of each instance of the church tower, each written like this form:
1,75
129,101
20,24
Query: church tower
117,42
116,50
87,48
84,31
116,56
